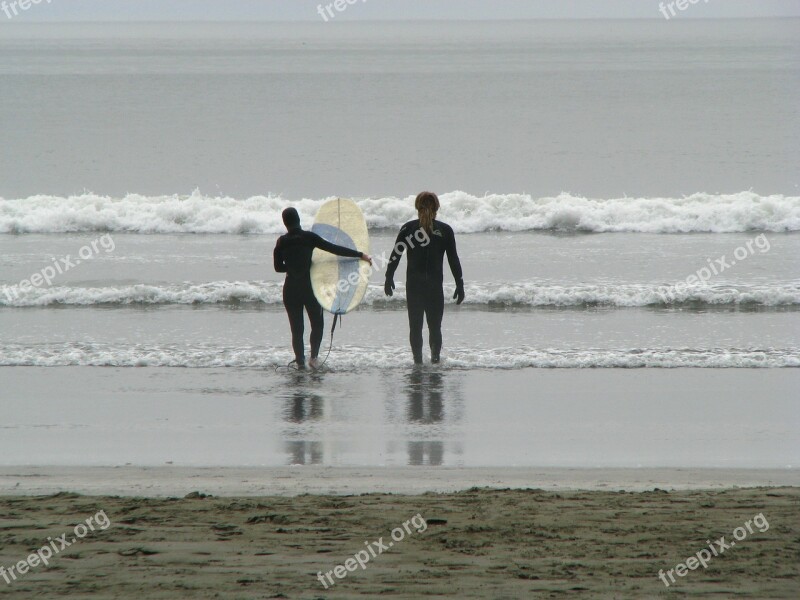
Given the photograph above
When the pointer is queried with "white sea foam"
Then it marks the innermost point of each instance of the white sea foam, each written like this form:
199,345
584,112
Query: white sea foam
196,213
354,358
219,292
522,294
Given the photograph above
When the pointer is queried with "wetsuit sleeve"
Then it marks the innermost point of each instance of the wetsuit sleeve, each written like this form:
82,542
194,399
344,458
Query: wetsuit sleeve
452,257
325,245
277,258
394,259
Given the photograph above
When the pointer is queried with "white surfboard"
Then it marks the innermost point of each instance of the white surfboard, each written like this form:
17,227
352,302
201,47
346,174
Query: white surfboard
340,282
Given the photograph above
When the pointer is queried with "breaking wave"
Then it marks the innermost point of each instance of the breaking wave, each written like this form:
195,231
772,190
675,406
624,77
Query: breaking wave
196,213
487,295
354,358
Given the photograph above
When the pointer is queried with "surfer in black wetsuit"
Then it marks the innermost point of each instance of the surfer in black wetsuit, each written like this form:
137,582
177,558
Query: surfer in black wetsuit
427,241
292,256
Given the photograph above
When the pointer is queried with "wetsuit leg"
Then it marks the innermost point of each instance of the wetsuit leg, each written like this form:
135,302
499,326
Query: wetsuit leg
434,311
317,318
415,301
293,302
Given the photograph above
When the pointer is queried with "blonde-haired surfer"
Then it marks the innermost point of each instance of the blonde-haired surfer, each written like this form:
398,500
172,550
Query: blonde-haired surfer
424,275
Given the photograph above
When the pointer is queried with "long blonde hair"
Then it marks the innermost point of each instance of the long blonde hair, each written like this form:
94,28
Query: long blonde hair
427,205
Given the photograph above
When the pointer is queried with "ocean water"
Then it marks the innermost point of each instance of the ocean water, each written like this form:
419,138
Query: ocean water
625,198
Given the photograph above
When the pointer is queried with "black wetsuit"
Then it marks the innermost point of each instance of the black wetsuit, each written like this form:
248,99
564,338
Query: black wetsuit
292,256
424,277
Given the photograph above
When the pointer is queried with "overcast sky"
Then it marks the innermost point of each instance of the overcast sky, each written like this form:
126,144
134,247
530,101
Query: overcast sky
306,10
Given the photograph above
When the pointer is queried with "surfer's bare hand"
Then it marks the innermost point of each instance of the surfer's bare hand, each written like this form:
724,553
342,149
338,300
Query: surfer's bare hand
366,258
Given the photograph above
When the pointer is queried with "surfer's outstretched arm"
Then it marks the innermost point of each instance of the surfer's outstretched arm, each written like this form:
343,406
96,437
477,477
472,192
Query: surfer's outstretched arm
323,244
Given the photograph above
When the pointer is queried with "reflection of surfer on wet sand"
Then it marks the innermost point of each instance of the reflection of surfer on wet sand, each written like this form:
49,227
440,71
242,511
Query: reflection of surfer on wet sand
300,408
425,407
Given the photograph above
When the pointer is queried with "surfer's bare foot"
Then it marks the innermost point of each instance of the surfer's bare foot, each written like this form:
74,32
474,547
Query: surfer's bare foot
300,363
313,363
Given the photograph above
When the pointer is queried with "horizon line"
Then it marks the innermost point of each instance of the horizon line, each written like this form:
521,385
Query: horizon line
387,20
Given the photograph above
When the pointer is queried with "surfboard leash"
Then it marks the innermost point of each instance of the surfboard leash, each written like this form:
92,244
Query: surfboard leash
336,318
292,366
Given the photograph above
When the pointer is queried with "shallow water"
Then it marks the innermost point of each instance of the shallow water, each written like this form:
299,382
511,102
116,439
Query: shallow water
561,418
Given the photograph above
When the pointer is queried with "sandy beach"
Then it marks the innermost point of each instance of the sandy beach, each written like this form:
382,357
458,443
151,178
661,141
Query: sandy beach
478,543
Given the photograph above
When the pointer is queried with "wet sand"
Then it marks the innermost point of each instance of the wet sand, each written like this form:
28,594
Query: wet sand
177,481
476,544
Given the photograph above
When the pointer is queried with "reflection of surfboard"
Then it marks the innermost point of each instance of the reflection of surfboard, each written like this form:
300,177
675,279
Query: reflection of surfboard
340,282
